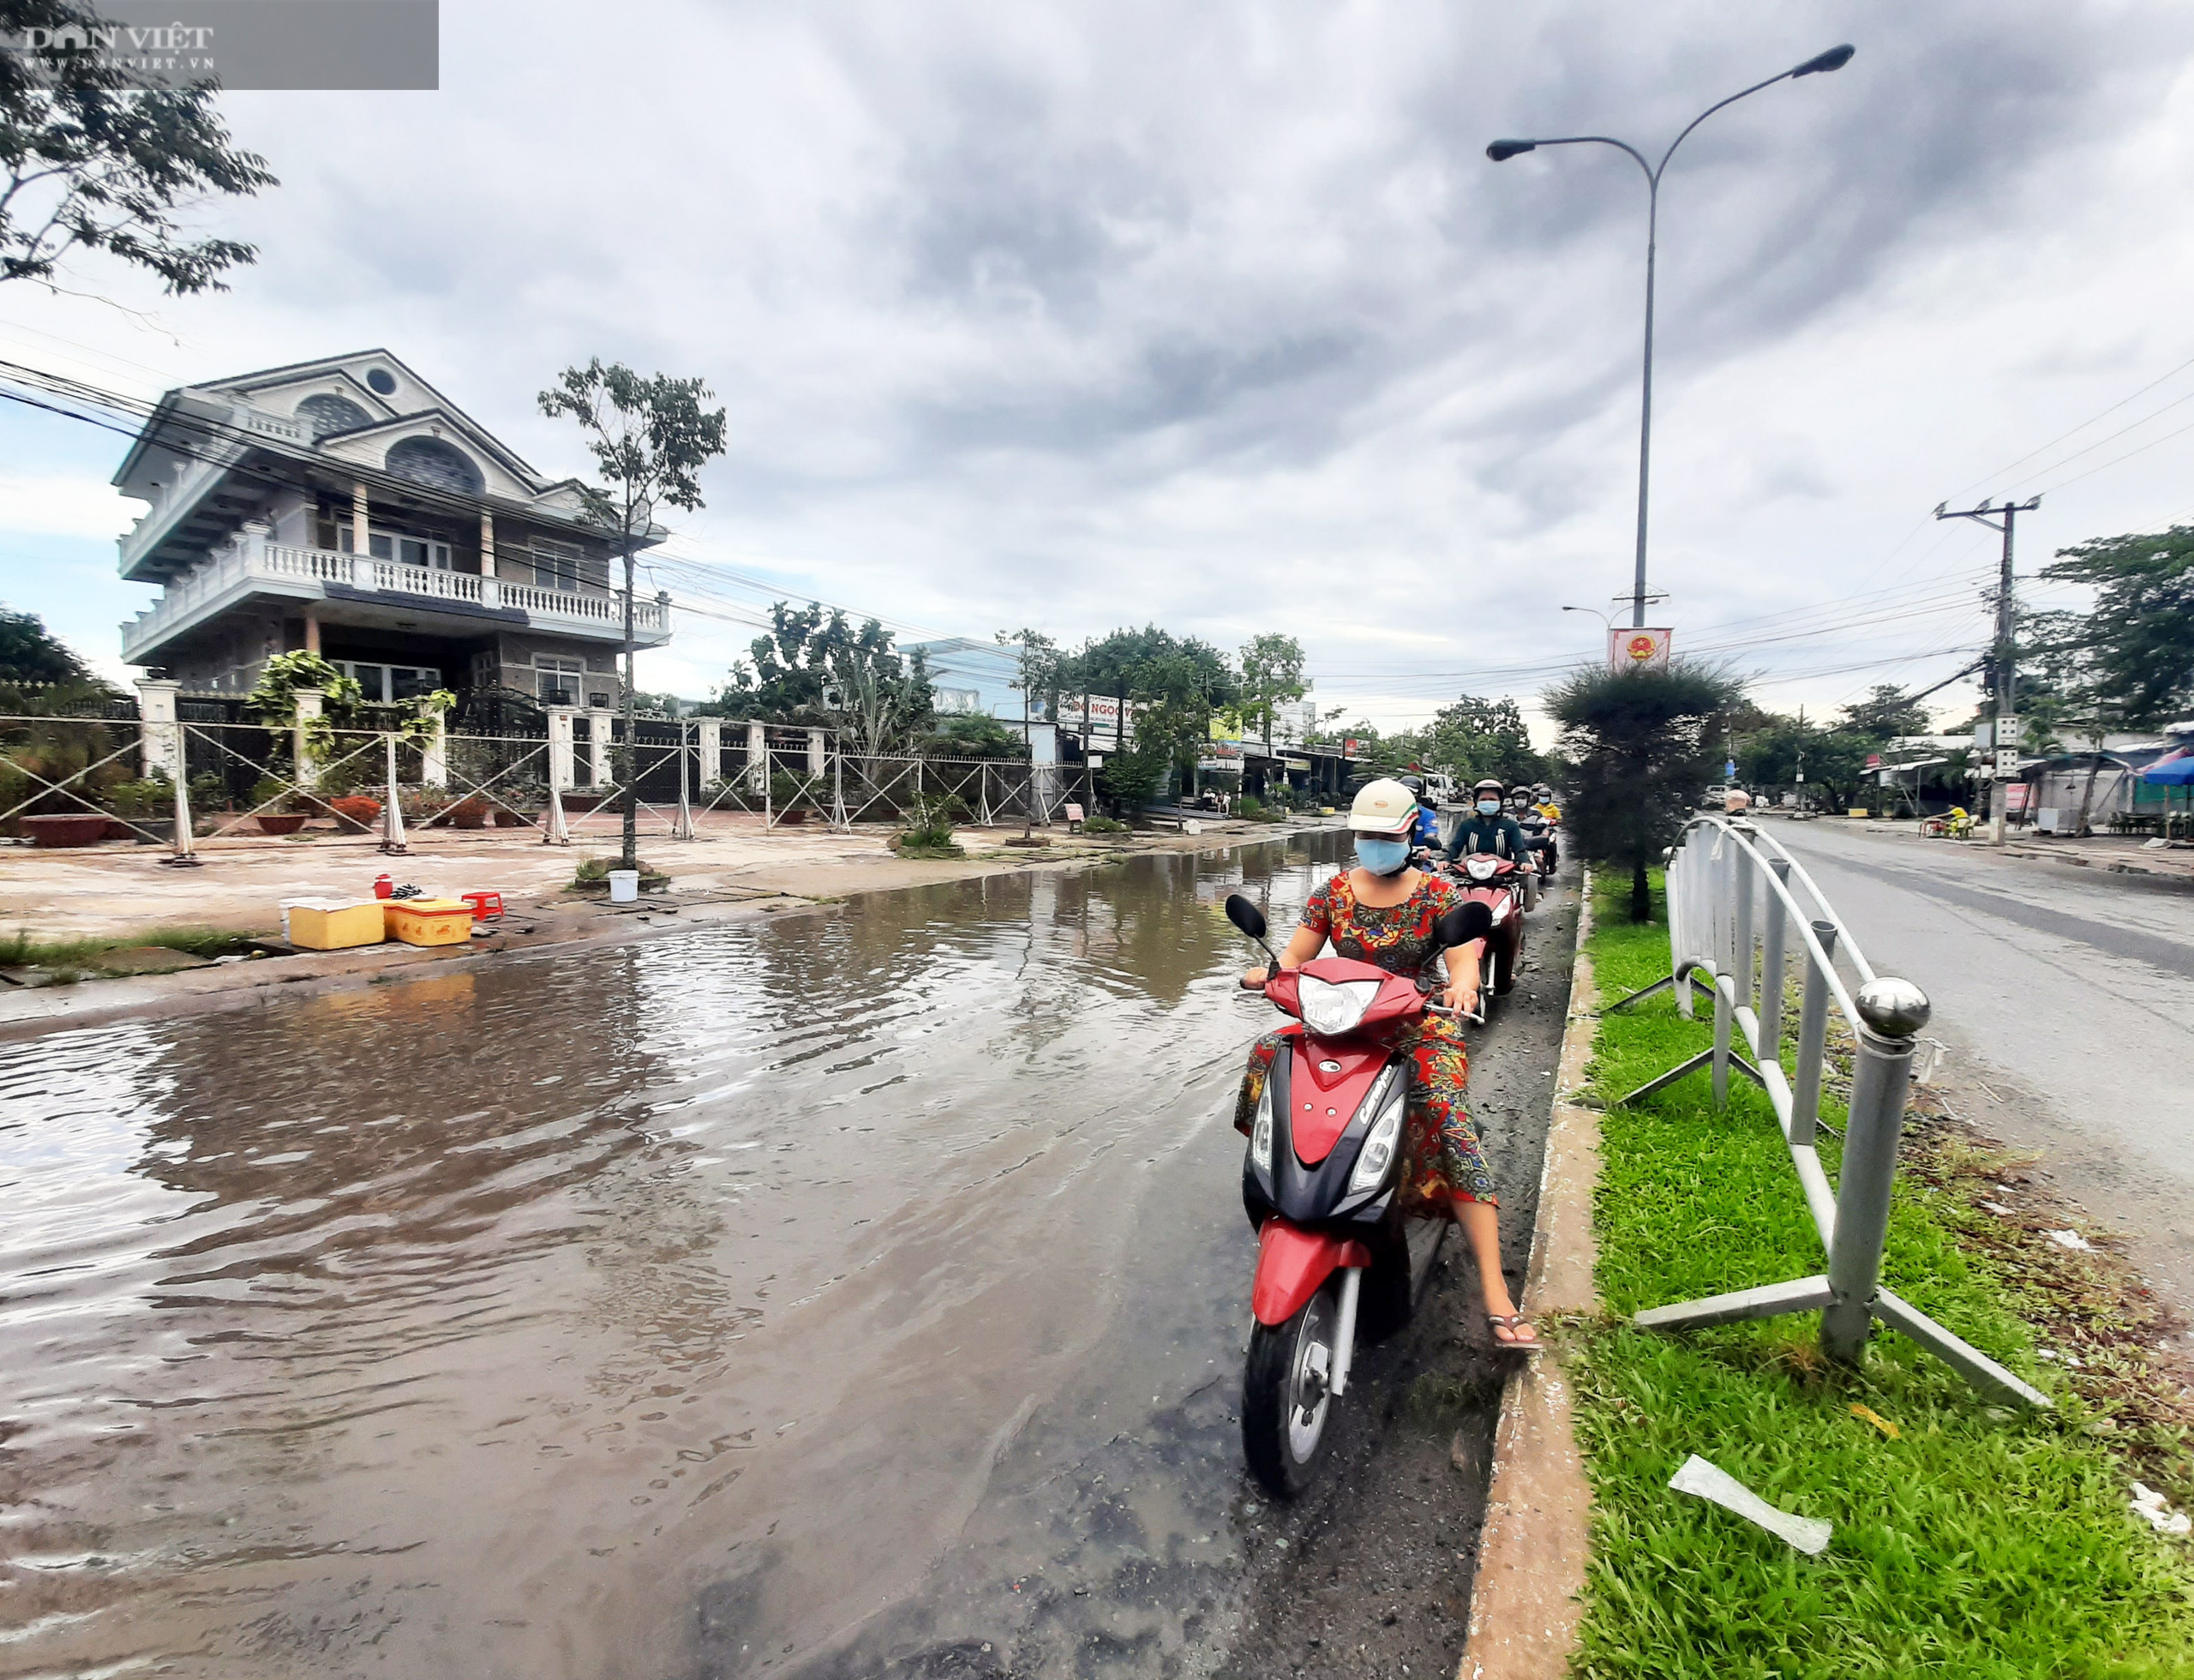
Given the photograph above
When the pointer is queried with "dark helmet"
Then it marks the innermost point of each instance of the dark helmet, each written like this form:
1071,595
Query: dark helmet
1414,783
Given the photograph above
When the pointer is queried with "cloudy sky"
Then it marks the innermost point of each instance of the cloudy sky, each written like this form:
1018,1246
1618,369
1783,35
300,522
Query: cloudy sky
1217,316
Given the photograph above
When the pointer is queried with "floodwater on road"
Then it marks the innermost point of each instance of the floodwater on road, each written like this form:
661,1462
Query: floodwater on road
843,1293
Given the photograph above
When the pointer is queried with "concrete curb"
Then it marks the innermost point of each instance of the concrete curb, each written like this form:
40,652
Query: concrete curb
1527,1597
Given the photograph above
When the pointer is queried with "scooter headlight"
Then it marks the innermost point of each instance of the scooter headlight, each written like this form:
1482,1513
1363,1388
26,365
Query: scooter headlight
1479,868
1378,1152
1260,1132
1334,1007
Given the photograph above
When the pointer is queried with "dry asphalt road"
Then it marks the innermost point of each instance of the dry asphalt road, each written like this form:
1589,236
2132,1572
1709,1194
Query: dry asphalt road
2064,999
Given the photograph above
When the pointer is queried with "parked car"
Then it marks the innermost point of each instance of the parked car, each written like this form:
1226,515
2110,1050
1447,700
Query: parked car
1712,798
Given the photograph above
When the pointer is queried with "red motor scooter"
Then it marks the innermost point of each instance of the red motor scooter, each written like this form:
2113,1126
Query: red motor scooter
1318,1183
1507,889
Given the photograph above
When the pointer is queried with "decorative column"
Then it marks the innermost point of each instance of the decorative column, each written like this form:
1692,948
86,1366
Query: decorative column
360,527
159,739
312,631
559,746
757,758
487,543
818,753
433,755
598,745
308,709
710,731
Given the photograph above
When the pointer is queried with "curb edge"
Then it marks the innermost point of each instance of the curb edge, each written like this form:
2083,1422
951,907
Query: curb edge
1527,1597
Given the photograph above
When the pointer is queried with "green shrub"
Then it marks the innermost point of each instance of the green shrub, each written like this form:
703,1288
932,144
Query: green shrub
594,872
930,832
1102,825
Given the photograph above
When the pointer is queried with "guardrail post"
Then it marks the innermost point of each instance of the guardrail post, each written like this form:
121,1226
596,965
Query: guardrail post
1724,963
1772,965
1891,1011
1813,1042
1744,887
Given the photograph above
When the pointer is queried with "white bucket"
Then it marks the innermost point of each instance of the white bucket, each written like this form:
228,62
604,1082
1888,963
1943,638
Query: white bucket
623,886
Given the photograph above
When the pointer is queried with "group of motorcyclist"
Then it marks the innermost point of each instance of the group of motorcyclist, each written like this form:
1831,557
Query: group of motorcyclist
1515,822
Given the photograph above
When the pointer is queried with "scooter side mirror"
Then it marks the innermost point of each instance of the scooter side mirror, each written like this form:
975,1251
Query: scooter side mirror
1245,915
1463,923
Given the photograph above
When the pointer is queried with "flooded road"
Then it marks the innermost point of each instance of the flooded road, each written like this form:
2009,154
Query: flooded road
859,1292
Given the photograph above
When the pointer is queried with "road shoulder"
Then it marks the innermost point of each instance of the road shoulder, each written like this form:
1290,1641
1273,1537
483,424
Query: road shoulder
1526,1603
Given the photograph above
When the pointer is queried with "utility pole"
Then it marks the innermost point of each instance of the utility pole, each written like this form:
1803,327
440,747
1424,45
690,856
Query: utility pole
2001,656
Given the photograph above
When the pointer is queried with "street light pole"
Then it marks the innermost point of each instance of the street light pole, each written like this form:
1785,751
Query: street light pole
2002,657
1502,150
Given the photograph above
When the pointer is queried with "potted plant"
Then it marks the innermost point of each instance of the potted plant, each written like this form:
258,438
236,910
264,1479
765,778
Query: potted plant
789,801
355,814
271,800
144,810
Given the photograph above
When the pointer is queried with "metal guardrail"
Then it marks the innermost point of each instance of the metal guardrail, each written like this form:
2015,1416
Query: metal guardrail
1734,907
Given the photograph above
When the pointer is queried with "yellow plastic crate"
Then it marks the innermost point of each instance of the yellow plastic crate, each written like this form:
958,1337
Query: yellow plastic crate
336,924
429,921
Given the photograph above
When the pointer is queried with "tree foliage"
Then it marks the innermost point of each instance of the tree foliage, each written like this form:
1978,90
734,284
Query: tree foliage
1886,713
2138,641
31,653
1636,738
814,666
1170,687
1271,677
649,439
90,161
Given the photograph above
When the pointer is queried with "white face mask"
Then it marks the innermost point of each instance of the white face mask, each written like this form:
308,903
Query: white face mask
1489,807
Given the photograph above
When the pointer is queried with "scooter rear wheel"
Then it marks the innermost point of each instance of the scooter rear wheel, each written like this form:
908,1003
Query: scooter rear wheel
1285,1407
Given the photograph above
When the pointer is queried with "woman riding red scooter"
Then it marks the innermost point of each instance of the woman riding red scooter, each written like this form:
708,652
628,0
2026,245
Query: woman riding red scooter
1382,912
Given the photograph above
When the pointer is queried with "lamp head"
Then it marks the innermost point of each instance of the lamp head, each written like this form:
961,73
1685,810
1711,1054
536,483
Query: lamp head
1502,150
1834,59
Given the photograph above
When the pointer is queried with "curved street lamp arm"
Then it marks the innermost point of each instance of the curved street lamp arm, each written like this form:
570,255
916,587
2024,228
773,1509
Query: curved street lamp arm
1609,140
1708,112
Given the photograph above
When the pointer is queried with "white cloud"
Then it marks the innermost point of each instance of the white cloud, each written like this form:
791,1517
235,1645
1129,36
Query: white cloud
60,504
1086,314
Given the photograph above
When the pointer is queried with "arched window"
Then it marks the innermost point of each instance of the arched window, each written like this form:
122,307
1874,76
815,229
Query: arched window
329,413
428,460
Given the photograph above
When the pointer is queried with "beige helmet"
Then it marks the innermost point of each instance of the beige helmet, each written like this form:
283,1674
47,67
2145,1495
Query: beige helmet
1384,806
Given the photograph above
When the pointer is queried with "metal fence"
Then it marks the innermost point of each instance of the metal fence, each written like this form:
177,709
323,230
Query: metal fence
219,774
1740,908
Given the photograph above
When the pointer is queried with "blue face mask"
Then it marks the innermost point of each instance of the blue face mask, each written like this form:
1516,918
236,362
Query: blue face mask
1383,857
1489,807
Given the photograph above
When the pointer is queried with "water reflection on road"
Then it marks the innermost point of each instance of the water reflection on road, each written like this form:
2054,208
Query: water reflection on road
711,1305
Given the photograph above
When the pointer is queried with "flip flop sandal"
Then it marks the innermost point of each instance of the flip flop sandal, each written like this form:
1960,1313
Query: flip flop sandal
1509,1322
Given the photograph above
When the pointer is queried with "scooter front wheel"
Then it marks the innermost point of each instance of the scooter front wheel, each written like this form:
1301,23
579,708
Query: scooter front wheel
1286,1403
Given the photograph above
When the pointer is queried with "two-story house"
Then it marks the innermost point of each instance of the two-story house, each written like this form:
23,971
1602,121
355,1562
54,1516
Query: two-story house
347,506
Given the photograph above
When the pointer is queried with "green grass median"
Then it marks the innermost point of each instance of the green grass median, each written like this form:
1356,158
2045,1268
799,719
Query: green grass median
1975,1541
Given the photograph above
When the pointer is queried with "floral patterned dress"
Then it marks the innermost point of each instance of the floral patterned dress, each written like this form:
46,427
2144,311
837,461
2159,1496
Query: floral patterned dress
1442,1157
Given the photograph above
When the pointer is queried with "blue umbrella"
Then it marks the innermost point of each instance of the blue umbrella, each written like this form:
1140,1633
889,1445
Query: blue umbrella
2176,772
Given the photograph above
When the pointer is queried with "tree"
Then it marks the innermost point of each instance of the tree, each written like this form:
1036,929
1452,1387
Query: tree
2140,635
1638,740
29,653
1037,662
1272,677
650,438
1166,686
1885,713
1476,737
814,666
971,735
89,161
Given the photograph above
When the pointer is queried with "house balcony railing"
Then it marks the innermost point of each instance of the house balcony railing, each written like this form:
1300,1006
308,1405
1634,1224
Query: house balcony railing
252,566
